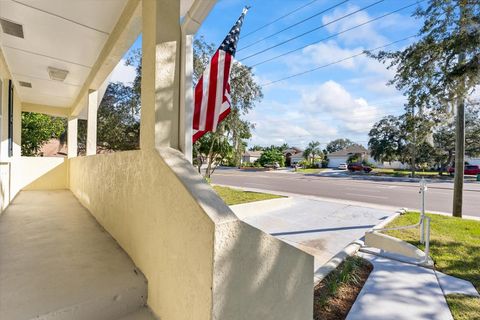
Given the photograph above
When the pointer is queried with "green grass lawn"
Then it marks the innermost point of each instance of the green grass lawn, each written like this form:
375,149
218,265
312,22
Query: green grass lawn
309,170
455,248
402,173
234,196
464,307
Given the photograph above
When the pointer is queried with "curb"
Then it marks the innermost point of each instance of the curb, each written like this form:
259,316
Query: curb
335,261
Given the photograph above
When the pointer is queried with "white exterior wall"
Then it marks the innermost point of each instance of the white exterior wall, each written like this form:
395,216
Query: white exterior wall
390,165
334,162
473,161
250,159
294,160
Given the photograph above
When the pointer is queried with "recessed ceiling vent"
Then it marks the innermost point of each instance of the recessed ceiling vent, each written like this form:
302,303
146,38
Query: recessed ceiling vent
11,28
25,84
57,74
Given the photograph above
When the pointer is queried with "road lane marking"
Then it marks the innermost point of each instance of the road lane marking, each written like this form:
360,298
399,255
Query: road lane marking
365,195
386,187
363,190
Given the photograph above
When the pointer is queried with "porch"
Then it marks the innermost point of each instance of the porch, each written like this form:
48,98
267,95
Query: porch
59,263
146,210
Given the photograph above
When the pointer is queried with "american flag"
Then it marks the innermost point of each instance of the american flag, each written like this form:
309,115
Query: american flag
212,92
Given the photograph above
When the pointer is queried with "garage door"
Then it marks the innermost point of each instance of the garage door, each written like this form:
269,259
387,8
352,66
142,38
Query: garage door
335,162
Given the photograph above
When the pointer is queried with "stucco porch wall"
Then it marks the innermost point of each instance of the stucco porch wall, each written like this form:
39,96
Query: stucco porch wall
201,262
31,173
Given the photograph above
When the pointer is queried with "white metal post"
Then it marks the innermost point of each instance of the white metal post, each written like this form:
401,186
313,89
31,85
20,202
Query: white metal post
427,238
423,188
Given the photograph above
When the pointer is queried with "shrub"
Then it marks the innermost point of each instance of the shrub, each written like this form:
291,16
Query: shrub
270,157
369,164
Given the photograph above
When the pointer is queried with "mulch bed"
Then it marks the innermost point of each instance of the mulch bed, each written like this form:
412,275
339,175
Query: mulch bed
335,295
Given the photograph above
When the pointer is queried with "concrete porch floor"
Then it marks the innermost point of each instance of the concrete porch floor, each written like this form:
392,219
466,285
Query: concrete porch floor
57,262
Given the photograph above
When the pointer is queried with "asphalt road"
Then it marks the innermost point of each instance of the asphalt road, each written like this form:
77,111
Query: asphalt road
354,188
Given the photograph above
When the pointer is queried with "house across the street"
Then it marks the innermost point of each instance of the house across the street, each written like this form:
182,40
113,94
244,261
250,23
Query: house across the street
296,158
338,157
292,156
251,156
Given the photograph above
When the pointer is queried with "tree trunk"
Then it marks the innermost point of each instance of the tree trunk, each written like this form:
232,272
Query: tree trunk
414,144
199,164
210,158
459,134
413,163
459,159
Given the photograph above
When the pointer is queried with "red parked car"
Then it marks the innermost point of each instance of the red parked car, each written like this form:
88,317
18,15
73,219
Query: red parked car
469,170
352,167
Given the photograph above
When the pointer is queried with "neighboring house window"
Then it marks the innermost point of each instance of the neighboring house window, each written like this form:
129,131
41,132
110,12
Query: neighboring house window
10,118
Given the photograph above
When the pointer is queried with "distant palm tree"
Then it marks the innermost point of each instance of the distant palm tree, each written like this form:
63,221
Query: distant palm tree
312,151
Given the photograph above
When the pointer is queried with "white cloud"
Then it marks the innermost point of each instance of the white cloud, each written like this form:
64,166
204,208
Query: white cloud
327,52
364,34
277,123
323,112
123,73
355,114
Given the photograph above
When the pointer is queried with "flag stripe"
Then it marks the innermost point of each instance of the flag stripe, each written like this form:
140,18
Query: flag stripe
226,79
203,105
224,114
197,134
197,103
227,96
212,91
220,88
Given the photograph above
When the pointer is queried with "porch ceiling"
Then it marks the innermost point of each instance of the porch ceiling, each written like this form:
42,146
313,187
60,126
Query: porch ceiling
67,35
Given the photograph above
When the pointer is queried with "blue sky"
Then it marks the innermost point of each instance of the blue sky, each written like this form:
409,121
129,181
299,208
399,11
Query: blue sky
339,101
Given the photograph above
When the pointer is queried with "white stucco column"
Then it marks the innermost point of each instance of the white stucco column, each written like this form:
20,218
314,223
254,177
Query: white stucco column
92,123
186,96
72,131
161,46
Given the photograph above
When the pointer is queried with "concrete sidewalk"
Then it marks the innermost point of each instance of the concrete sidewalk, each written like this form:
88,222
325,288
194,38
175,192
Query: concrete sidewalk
396,290
318,227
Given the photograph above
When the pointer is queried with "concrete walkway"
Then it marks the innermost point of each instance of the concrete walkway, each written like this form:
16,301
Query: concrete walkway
396,290
318,227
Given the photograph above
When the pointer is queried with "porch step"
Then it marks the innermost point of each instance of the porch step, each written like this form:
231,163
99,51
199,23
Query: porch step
58,263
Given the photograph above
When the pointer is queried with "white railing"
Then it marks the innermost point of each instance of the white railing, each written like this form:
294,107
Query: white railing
423,223
5,172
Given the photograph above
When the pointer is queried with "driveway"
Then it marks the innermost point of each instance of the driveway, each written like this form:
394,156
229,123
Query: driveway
321,228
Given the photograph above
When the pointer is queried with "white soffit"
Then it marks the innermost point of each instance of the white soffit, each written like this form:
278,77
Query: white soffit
23,65
101,15
185,6
64,34
36,98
